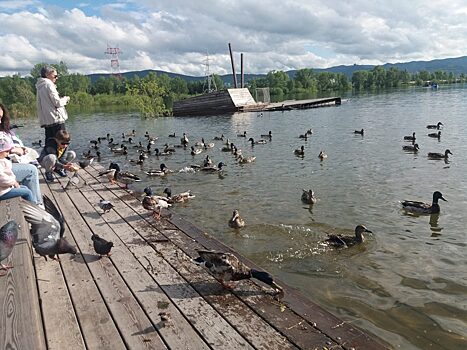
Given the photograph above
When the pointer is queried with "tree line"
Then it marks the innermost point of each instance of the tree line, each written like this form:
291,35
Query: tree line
154,94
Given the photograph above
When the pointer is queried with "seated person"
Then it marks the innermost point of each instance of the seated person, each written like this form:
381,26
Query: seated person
56,157
26,174
9,187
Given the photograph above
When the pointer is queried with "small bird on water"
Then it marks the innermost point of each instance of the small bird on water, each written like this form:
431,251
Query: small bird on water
343,241
101,246
8,237
236,221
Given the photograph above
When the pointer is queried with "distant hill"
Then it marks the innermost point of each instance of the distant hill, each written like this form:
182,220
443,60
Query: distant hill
456,65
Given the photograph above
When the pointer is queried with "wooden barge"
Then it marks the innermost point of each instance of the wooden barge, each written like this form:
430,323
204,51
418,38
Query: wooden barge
240,100
148,294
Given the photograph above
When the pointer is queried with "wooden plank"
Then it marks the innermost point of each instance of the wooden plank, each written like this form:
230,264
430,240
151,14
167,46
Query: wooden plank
20,316
177,333
214,329
135,327
60,321
98,328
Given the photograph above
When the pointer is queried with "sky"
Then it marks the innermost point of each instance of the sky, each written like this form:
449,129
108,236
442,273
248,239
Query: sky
180,36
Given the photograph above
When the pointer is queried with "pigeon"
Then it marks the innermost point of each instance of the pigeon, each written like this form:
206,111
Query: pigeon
74,180
8,237
105,205
86,162
101,246
47,229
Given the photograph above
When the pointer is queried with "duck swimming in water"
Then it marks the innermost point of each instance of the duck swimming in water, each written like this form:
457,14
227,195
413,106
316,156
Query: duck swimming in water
410,138
300,152
322,156
411,148
424,208
434,155
308,197
342,241
434,126
236,221
359,132
435,134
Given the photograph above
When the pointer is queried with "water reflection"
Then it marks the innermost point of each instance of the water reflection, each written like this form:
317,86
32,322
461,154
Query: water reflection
434,218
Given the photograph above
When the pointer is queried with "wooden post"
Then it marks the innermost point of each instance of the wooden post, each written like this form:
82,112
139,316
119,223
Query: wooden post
233,67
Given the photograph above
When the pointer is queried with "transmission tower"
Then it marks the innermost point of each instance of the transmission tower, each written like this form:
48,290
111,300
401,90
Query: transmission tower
113,52
208,75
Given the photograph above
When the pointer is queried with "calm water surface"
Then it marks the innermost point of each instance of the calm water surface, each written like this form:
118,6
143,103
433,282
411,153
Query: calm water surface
408,283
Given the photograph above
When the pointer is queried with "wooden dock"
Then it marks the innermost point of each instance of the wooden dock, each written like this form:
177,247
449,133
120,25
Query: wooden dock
302,104
148,294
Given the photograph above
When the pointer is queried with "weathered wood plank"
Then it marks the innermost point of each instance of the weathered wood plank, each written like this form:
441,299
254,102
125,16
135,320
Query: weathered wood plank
20,316
217,332
177,332
131,320
98,329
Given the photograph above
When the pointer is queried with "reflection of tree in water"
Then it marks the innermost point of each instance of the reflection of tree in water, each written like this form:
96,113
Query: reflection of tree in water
434,218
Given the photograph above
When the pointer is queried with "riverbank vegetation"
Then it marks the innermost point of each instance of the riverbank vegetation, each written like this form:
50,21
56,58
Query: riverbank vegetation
153,95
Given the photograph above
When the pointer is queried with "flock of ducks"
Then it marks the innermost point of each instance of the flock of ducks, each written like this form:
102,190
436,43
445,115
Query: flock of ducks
415,147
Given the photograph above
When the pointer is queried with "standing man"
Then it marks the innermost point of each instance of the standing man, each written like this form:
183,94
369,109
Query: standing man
50,106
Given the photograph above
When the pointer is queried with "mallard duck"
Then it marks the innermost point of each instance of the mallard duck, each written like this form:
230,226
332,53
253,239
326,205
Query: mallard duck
208,145
259,142
213,169
132,133
434,155
124,177
412,148
207,161
196,151
168,148
130,140
172,135
162,171
308,196
303,136
110,174
226,267
242,135
245,160
227,147
159,153
138,161
155,204
359,132
267,135
322,155
300,152
184,140
309,132
434,126
218,138
424,208
410,138
342,241
236,221
139,145
178,198
120,150
435,134
112,143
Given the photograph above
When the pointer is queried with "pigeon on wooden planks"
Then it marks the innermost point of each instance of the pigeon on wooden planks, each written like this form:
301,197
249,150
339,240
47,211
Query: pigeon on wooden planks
101,246
106,206
74,180
47,229
8,237
86,162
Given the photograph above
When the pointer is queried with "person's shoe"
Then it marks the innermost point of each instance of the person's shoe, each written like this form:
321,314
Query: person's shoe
49,176
60,172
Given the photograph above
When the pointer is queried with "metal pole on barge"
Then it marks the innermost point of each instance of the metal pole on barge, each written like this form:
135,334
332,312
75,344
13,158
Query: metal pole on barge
233,67
241,70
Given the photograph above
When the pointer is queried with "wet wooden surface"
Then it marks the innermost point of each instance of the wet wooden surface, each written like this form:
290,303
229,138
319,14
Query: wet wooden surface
150,295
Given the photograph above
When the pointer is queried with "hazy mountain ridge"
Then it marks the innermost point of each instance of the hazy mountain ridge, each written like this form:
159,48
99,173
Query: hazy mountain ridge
456,65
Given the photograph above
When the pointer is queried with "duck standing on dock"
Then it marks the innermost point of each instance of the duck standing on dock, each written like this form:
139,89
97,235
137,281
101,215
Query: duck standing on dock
154,203
422,207
227,267
101,246
8,237
47,229
343,241
236,221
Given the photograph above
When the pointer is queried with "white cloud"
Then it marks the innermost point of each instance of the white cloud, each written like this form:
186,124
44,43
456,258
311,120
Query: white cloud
175,35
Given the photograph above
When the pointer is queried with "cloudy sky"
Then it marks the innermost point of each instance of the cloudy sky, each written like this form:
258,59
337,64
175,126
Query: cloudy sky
178,35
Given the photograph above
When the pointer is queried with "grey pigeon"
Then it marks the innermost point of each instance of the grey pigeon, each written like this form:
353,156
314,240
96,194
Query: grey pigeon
8,237
105,205
74,180
86,162
101,246
47,229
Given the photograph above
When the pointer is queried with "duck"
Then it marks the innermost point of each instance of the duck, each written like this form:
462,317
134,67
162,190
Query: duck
178,198
308,197
130,140
109,174
410,138
300,152
139,145
269,134
434,155
168,148
196,151
213,169
411,148
322,156
242,135
227,148
343,241
236,221
120,150
434,126
200,143
37,143
259,142
124,177
132,133
359,132
435,134
138,161
303,136
245,160
219,138
208,145
424,208
227,267
207,161
172,135
112,143
162,171
155,204
309,132
184,140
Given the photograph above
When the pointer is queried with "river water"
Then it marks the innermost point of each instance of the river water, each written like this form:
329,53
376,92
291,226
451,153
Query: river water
408,282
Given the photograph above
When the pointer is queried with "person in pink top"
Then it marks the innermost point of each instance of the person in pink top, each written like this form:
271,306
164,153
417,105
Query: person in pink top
9,187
